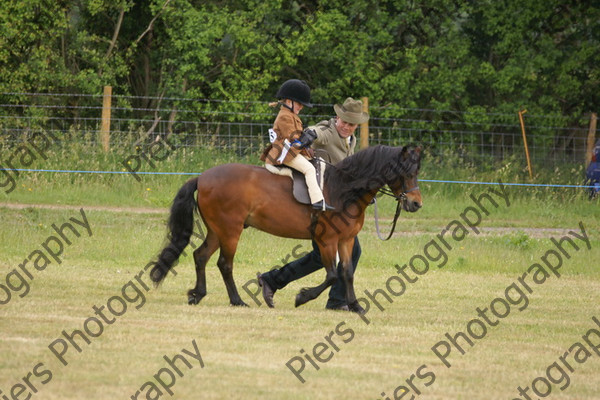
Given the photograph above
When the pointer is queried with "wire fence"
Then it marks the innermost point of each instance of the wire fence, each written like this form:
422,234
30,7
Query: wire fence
242,126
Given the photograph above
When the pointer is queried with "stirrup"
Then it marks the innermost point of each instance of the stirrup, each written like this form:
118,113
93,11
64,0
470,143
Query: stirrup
321,205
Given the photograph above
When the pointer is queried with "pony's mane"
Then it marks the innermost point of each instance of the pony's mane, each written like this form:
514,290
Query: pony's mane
366,170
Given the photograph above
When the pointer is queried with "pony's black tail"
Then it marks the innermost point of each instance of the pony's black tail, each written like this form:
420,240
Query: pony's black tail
181,227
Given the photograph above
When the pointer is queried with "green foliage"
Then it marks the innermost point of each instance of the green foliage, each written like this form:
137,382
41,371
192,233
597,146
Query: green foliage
518,240
477,56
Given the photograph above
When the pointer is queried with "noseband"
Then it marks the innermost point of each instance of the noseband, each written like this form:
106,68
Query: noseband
405,192
402,196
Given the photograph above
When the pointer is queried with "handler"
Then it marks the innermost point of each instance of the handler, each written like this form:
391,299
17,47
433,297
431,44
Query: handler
335,138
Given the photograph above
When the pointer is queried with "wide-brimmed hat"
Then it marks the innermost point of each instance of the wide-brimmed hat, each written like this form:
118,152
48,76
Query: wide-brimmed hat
351,111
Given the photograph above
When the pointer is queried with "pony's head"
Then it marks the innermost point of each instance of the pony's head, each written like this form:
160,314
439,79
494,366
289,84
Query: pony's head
367,171
401,177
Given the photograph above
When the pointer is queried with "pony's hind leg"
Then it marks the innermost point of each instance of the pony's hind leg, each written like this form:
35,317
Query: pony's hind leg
201,256
225,264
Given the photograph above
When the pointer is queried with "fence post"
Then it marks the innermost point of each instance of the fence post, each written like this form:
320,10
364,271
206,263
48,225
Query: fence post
591,139
105,129
525,142
364,127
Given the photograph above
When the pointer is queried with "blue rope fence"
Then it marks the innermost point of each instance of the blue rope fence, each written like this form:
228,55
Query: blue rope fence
199,173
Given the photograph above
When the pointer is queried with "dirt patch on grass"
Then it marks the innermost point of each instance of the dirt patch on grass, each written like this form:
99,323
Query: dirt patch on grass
134,210
368,228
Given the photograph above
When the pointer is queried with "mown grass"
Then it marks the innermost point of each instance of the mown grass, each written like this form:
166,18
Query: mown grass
245,350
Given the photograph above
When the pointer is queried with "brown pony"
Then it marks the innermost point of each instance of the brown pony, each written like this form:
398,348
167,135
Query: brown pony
232,197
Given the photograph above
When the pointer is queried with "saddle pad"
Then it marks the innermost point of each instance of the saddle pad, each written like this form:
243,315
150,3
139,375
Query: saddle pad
300,188
299,183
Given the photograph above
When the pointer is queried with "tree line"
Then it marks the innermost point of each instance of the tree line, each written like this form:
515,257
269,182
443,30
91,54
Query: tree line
472,57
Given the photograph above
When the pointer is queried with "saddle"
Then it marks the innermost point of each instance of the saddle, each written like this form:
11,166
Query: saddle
299,182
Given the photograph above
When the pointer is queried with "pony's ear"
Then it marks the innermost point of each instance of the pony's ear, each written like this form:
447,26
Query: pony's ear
417,152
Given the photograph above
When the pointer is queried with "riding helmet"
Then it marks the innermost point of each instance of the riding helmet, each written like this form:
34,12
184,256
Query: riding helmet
296,90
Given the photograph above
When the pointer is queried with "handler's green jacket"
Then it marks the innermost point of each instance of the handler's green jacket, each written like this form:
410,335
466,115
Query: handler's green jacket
329,140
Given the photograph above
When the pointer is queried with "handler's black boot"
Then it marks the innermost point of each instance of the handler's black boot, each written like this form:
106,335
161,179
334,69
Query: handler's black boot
267,291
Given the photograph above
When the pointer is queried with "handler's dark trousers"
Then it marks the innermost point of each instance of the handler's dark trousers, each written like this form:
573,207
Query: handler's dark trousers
279,278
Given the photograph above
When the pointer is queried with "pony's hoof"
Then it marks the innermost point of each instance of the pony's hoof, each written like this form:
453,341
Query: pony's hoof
194,297
357,308
301,297
239,304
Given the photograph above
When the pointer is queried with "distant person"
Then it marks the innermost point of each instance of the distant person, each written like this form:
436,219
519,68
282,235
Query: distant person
592,173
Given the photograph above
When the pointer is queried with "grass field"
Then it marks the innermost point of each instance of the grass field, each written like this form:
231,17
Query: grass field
244,351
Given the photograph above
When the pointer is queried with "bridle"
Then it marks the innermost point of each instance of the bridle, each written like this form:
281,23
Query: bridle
388,192
399,199
402,196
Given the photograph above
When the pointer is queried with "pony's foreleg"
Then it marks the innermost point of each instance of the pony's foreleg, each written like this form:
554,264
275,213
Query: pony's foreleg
328,259
201,256
345,250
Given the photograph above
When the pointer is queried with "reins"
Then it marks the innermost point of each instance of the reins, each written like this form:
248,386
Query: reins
402,197
398,209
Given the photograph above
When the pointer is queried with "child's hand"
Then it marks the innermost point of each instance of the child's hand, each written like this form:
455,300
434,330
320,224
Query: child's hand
307,137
